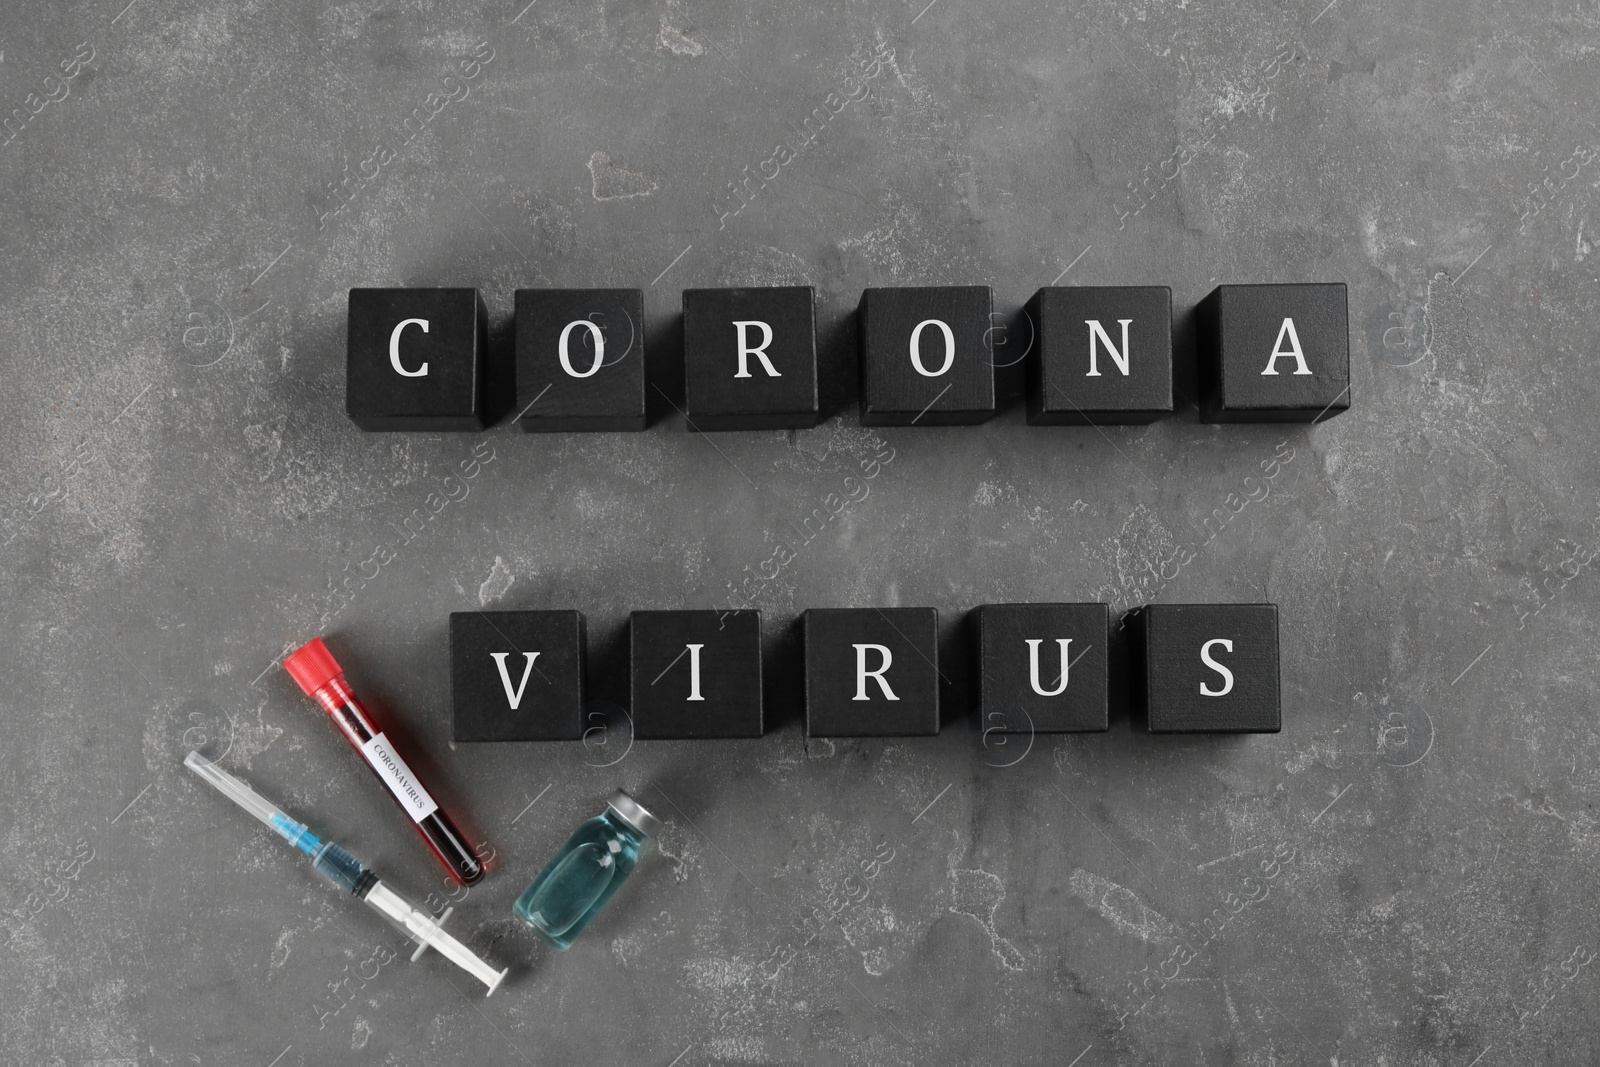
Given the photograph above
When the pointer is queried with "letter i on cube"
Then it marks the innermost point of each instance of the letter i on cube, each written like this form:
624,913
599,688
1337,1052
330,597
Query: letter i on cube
696,674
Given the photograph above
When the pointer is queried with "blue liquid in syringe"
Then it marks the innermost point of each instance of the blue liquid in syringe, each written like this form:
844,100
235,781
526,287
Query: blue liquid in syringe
337,865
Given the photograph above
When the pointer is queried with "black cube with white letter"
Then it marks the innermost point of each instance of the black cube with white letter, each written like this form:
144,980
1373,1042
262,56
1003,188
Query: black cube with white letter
750,358
580,359
1042,668
871,672
696,674
516,675
414,359
1102,354
1274,353
1207,668
927,356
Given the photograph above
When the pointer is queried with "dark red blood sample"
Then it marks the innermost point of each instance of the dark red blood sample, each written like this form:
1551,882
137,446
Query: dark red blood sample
322,679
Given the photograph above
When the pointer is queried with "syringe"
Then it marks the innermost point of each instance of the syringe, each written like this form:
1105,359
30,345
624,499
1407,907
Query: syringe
346,872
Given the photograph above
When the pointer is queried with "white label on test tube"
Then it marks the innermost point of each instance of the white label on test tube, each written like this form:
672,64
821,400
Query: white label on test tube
398,777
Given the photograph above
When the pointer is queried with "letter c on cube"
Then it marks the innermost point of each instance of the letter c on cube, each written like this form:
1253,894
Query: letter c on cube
394,350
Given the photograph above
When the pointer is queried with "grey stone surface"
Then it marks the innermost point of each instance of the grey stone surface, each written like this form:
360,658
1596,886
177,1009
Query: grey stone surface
1404,875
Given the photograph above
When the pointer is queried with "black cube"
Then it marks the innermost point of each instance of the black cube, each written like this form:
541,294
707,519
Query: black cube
1102,354
580,359
516,675
696,674
750,358
1274,353
927,356
1042,668
871,672
1207,668
414,359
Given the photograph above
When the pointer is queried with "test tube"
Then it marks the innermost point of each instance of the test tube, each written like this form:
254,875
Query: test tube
322,679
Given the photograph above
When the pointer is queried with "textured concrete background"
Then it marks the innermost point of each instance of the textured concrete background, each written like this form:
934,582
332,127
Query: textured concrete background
1402,876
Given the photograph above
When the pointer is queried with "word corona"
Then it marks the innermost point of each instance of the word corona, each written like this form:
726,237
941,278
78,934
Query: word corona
417,358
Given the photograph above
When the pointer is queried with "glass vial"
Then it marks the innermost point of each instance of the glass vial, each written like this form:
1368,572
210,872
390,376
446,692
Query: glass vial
591,866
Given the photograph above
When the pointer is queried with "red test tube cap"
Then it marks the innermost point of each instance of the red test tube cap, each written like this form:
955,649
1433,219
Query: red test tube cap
312,666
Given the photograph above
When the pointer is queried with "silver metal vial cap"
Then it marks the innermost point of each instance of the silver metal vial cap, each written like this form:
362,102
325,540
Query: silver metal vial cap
633,813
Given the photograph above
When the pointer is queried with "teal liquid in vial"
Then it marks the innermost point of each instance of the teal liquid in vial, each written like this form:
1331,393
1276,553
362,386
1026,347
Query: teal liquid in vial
588,869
